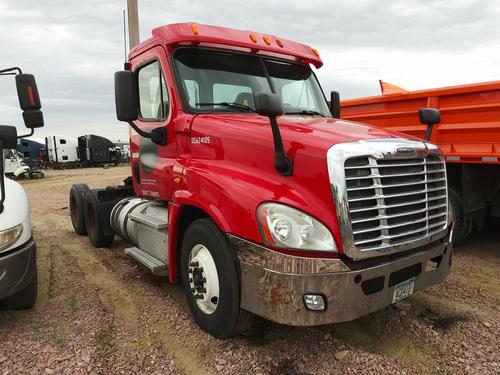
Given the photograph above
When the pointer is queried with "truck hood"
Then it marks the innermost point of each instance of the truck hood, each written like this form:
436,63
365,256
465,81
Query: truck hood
16,209
306,135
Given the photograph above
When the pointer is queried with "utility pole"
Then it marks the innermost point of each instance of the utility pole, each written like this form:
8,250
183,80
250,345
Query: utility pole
133,23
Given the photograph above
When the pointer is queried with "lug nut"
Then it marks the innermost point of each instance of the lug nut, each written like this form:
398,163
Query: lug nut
198,296
194,264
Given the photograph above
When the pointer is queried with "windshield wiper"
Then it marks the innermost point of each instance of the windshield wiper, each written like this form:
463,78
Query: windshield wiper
230,105
306,112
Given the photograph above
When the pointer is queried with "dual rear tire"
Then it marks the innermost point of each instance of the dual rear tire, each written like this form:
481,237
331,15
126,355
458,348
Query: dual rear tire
88,216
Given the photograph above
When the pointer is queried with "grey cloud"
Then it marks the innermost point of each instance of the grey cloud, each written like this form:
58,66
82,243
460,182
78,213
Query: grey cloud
74,47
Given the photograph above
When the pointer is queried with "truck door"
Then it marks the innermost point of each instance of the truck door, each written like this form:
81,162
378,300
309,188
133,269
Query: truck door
152,164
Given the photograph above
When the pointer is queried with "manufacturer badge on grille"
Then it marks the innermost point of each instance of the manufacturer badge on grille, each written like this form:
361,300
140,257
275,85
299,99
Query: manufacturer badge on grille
405,150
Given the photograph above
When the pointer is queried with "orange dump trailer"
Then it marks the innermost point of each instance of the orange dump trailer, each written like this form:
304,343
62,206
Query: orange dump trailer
469,135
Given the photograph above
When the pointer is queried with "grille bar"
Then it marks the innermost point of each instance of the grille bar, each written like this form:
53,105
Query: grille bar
408,203
396,215
394,201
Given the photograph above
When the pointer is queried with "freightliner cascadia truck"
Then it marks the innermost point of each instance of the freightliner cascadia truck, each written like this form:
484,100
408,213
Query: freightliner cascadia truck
468,134
18,272
248,190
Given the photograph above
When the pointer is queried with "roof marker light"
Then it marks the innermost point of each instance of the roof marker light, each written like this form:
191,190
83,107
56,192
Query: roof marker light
315,51
279,43
267,40
194,28
253,37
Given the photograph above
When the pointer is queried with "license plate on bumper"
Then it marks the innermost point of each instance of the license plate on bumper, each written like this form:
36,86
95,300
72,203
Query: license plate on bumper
403,290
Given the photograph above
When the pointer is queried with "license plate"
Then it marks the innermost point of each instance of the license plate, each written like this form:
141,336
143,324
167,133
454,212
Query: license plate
403,290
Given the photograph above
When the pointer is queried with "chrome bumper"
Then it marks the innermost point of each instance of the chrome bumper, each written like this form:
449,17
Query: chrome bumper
17,269
274,284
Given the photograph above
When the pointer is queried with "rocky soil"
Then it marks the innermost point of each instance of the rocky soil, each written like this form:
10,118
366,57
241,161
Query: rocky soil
99,312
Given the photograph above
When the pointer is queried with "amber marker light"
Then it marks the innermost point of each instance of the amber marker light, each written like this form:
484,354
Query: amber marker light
253,37
279,43
315,51
267,40
265,226
194,28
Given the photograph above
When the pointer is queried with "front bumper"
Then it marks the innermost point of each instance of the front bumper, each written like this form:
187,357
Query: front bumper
17,269
274,284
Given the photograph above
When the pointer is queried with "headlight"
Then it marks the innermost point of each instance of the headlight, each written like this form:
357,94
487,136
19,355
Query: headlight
10,236
286,227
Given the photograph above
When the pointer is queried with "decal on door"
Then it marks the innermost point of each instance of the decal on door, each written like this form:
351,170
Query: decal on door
200,140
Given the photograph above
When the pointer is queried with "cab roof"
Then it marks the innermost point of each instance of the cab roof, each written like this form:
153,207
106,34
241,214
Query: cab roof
195,33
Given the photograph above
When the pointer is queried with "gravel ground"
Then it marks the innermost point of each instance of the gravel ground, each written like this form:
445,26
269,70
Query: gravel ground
99,312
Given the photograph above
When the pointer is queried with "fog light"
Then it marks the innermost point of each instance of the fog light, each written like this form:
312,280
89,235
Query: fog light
314,302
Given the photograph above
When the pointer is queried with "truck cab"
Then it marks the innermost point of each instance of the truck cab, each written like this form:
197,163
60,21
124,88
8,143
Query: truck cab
246,189
18,272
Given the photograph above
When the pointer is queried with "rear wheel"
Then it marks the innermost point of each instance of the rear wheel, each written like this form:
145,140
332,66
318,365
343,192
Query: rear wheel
210,277
76,207
26,298
94,222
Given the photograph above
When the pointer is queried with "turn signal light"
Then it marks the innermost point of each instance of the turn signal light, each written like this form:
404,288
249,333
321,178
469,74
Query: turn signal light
267,40
253,37
194,28
315,51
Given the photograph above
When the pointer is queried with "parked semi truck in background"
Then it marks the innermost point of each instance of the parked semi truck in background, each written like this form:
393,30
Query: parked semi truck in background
468,134
246,189
18,272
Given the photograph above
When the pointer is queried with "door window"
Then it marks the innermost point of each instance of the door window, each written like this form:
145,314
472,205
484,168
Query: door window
153,95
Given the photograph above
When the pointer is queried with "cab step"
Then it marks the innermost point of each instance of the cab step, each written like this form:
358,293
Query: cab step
156,266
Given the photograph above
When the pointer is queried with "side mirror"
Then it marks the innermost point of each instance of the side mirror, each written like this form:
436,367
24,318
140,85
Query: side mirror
29,100
335,104
429,117
8,138
126,96
268,105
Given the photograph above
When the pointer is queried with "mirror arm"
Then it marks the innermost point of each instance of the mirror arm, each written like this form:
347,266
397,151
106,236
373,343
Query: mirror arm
428,132
282,163
27,135
139,131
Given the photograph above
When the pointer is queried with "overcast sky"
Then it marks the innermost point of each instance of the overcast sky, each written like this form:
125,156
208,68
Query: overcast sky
74,47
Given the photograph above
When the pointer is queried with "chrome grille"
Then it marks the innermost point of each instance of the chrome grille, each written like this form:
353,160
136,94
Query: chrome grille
394,201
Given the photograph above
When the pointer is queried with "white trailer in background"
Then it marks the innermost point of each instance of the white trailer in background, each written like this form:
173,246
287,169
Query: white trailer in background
61,149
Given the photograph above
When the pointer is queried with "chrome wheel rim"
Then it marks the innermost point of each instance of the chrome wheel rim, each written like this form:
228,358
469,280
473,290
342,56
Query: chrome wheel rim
203,279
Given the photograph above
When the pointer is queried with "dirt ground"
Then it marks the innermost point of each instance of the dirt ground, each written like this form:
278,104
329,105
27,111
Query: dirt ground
99,312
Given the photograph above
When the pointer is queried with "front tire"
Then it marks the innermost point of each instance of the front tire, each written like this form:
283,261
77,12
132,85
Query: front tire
211,282
460,229
26,298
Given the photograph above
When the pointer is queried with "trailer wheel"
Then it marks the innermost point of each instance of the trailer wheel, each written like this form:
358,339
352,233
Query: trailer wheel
211,282
76,200
26,298
94,221
460,232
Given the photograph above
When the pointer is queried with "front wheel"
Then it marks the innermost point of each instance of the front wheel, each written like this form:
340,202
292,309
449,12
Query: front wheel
26,298
210,277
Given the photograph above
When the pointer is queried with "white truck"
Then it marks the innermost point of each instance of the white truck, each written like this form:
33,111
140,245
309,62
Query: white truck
16,168
18,272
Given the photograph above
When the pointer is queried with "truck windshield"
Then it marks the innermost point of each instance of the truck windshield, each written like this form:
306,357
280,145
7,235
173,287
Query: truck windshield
220,81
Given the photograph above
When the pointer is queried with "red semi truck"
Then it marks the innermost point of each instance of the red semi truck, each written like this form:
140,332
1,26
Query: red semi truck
468,134
246,189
